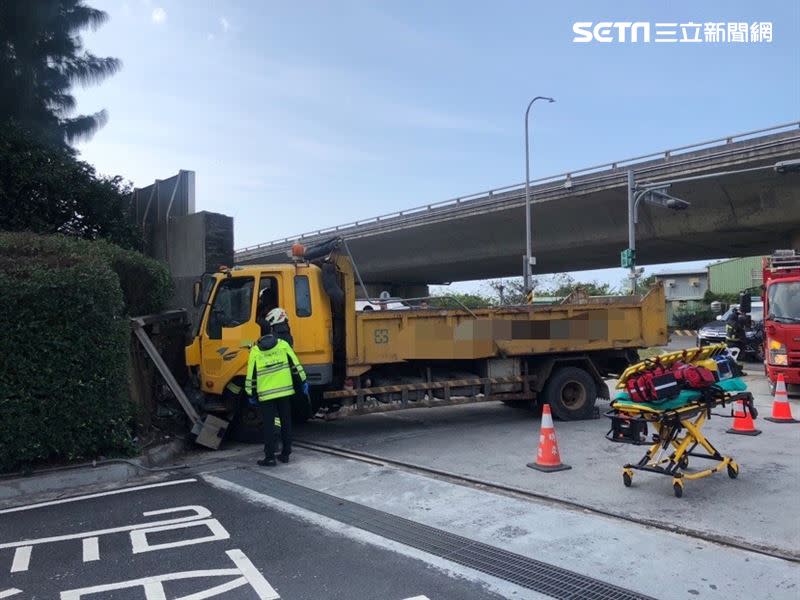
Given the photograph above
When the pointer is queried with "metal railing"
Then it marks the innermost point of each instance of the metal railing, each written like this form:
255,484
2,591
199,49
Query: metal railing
565,177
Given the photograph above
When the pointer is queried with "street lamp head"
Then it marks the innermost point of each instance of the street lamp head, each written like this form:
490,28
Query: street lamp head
550,99
677,204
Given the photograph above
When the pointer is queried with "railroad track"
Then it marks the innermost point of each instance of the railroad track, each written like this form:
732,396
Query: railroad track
515,492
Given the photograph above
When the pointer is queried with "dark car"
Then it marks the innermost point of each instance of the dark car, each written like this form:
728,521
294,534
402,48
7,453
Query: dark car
714,332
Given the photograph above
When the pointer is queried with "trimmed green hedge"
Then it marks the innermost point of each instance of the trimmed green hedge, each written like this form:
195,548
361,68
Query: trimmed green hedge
65,343
146,283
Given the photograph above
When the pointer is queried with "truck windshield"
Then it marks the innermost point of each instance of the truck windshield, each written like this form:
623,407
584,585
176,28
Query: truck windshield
784,301
232,305
206,285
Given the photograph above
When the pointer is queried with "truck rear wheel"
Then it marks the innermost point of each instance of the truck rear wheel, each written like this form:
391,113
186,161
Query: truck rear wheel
571,393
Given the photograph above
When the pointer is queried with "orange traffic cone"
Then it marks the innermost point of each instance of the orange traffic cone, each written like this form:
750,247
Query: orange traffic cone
781,409
743,421
548,458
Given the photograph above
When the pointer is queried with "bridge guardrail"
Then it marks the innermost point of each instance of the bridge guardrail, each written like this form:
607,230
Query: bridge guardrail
567,176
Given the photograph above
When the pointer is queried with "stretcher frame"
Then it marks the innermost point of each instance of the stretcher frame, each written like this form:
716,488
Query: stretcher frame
680,430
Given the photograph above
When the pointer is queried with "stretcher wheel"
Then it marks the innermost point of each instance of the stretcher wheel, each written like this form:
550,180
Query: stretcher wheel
733,470
627,478
677,487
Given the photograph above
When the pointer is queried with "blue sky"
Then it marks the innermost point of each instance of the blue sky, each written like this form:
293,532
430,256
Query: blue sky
302,115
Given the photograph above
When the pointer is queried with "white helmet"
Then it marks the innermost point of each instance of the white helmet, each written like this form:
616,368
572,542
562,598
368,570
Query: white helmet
276,315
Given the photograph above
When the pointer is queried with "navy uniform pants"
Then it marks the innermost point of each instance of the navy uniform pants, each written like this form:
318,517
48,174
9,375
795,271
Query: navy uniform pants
280,407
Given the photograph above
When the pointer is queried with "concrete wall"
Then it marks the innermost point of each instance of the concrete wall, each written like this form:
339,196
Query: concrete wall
171,197
684,286
192,245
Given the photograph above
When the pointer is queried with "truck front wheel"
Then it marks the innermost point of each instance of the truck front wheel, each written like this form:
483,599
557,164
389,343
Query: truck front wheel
571,393
246,425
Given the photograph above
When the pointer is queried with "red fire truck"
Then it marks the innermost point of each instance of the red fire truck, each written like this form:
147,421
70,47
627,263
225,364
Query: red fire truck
782,317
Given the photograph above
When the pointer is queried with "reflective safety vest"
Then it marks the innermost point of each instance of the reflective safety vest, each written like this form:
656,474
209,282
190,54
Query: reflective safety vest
272,371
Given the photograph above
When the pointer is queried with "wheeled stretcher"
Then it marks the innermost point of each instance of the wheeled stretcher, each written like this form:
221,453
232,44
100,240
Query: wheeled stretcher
678,435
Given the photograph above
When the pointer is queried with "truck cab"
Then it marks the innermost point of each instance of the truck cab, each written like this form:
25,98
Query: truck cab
233,304
782,317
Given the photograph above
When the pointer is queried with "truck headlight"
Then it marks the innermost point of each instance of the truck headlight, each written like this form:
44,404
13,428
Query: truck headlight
777,354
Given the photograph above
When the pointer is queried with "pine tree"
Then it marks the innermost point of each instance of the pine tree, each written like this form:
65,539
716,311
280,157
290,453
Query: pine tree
41,58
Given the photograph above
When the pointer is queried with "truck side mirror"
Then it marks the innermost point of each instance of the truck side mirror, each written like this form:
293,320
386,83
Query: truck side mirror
196,289
744,302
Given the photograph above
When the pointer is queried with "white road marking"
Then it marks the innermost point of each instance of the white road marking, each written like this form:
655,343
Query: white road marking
419,598
215,591
91,549
245,573
22,558
200,513
150,584
9,592
452,570
97,495
140,544
252,575
154,590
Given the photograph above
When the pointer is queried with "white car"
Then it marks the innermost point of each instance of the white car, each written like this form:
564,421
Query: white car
390,304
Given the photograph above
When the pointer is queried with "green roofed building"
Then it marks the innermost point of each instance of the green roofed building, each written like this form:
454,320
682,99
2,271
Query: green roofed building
734,275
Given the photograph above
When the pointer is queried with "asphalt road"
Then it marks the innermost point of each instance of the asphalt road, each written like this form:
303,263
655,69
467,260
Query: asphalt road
203,538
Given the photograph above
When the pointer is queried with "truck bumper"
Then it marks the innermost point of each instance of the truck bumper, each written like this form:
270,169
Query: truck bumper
791,375
320,374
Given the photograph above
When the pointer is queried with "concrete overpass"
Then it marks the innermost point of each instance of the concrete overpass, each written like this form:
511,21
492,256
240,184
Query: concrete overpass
580,218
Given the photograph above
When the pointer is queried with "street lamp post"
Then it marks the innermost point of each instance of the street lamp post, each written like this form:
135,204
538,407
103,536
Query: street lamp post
655,195
632,228
529,259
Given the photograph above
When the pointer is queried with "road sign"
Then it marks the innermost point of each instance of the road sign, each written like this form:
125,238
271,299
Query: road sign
628,258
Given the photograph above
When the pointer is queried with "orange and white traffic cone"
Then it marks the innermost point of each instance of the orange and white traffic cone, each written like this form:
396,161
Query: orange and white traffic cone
781,409
547,458
743,421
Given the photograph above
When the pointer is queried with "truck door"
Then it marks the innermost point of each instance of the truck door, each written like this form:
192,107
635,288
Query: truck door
230,325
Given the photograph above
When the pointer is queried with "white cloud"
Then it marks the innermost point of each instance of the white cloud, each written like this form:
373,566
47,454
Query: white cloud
159,15
210,37
225,24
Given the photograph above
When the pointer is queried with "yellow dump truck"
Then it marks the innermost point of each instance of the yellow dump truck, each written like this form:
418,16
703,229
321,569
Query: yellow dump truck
367,361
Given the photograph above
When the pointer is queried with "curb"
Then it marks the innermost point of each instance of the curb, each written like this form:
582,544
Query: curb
113,470
685,332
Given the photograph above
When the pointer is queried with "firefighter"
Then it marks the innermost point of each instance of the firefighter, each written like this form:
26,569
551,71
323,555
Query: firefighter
279,323
269,384
735,336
